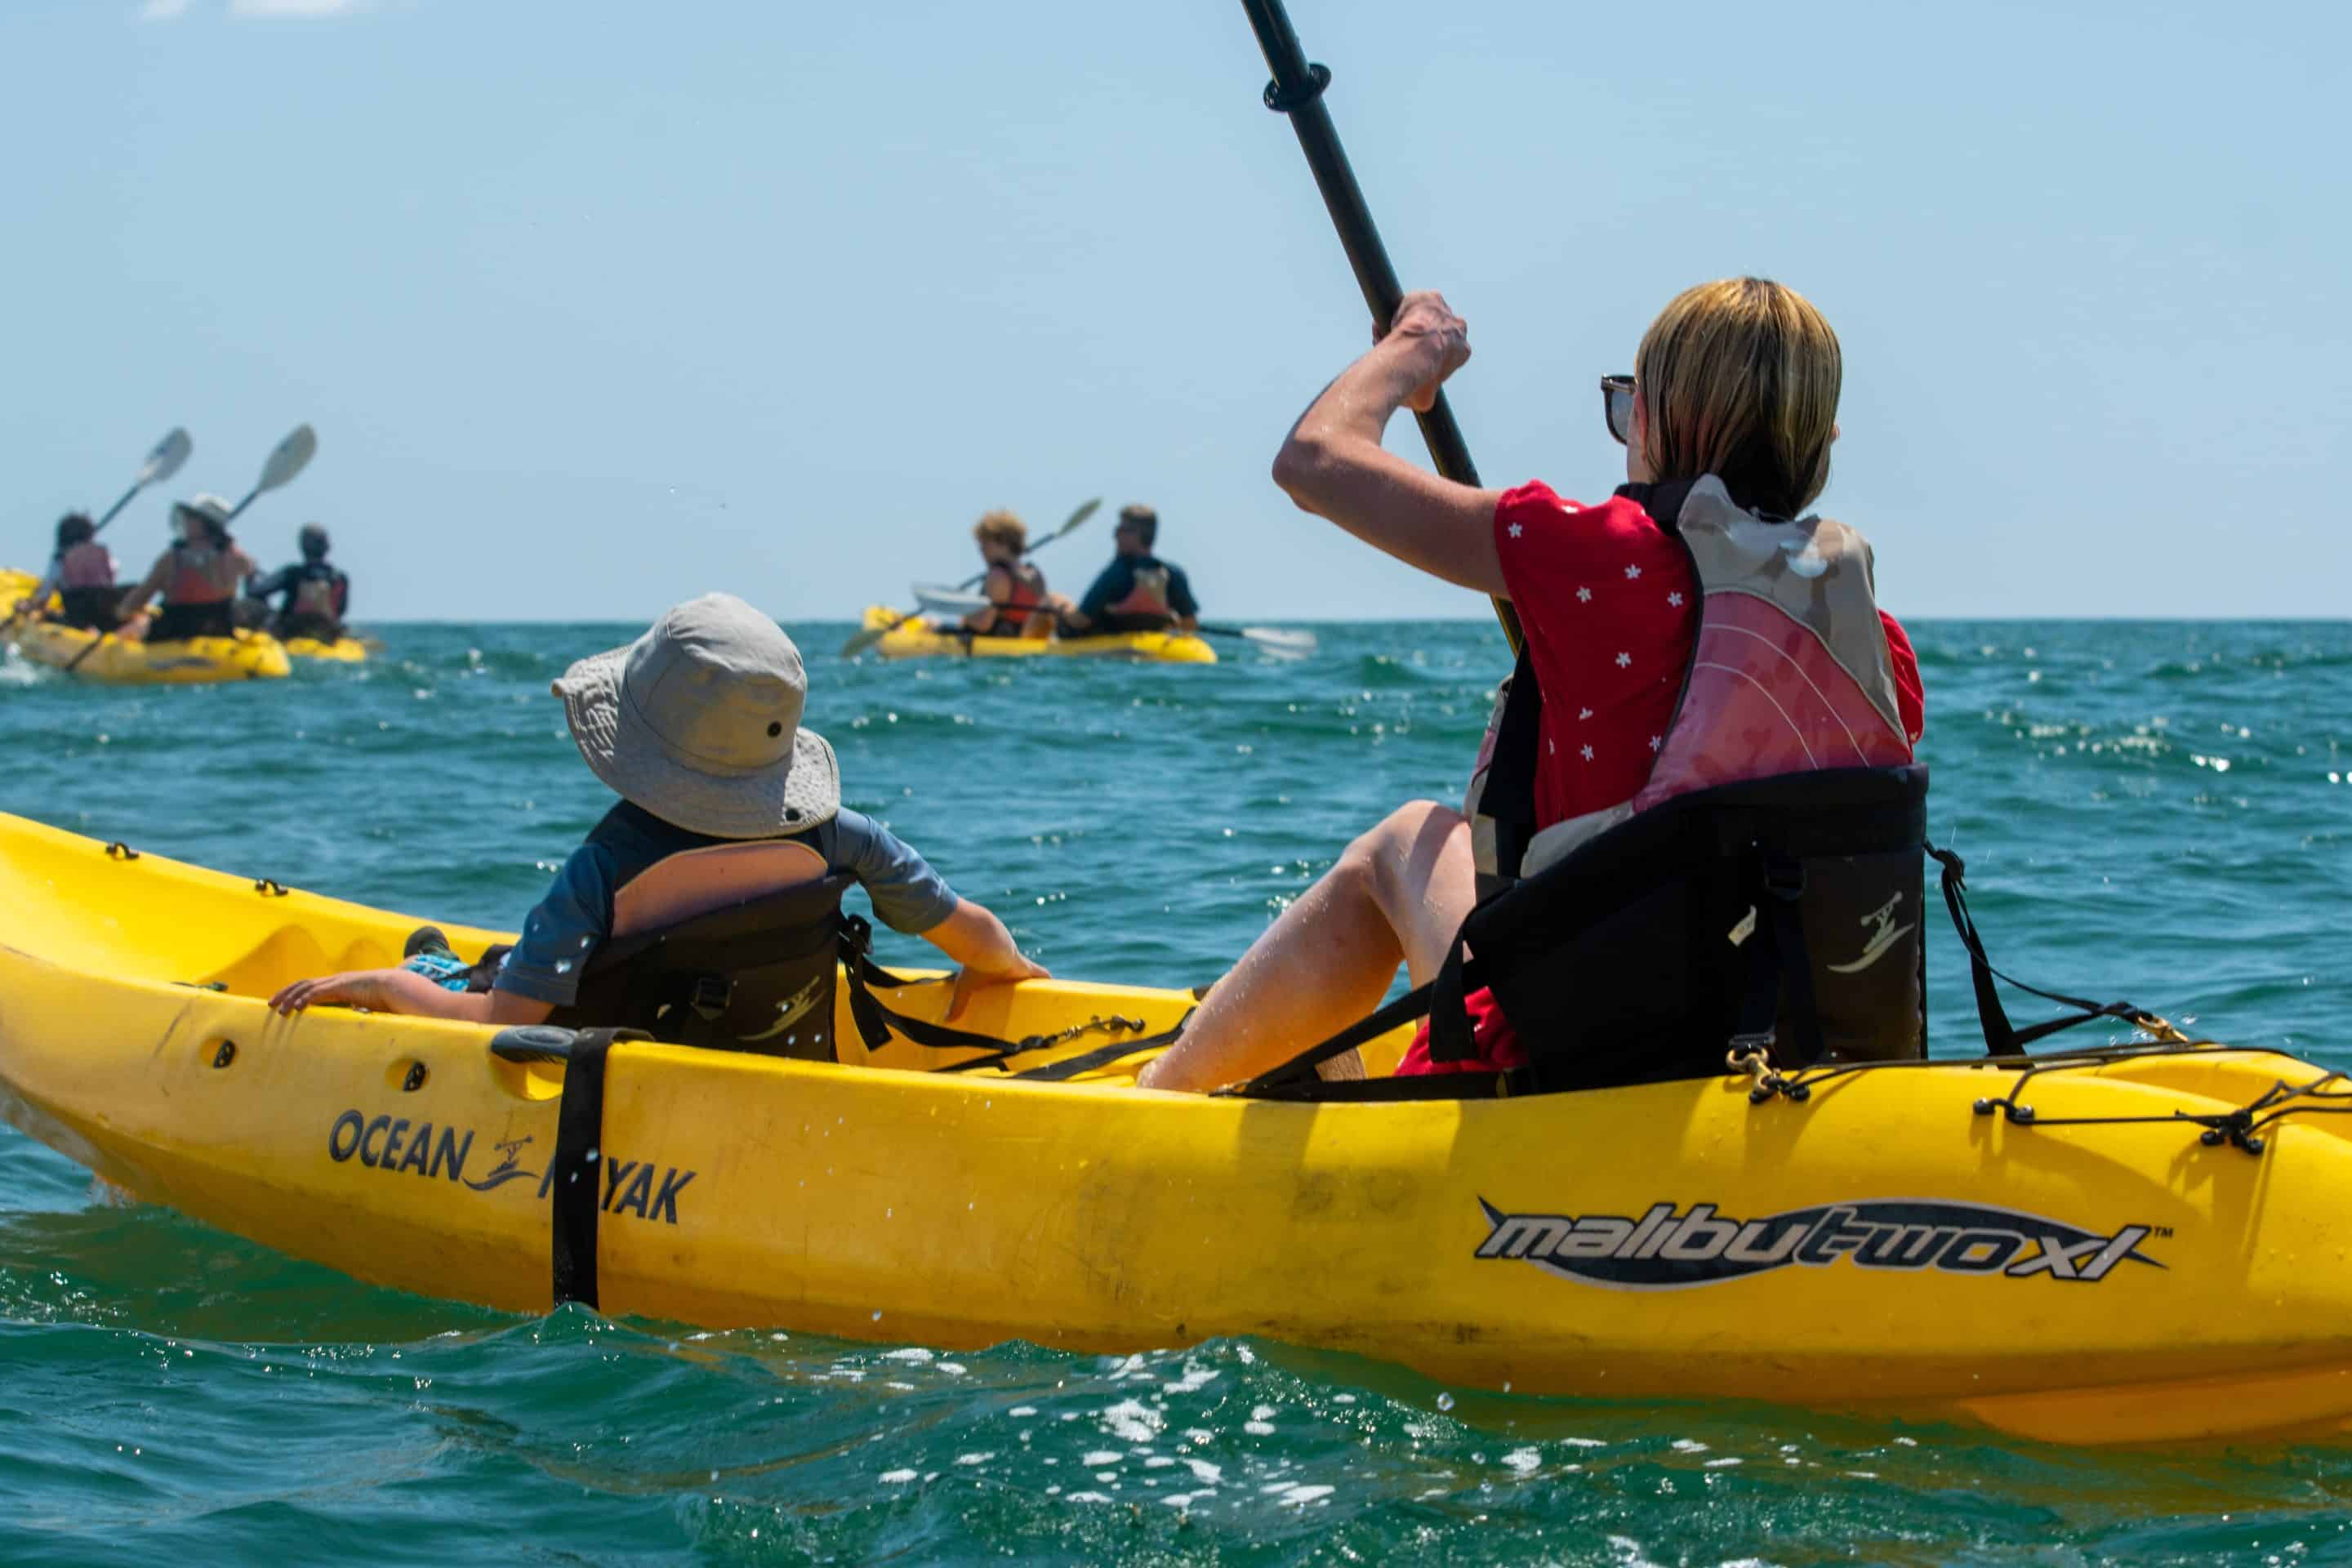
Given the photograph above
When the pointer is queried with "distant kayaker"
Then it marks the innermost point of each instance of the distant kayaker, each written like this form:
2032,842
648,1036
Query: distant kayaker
1727,422
313,595
82,575
696,726
1018,602
197,576
1138,592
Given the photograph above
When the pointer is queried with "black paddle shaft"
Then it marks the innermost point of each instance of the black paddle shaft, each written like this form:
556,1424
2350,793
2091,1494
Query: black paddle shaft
1296,91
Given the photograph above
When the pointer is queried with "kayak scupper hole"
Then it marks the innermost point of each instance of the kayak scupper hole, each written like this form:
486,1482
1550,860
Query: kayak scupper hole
414,1078
224,1053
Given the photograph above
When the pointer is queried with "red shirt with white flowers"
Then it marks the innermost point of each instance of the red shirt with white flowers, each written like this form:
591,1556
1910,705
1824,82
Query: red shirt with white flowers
1610,608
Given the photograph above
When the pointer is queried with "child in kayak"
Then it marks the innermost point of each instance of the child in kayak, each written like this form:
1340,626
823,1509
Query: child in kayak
81,575
696,726
1018,602
1733,405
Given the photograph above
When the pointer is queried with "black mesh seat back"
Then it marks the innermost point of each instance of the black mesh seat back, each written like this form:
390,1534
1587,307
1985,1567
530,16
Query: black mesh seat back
756,975
90,609
1619,965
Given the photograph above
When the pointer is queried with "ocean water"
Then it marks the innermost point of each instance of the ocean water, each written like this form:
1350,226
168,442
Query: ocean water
2151,811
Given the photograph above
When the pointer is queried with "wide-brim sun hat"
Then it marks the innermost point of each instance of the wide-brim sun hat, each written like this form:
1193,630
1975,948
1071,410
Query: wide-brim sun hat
698,722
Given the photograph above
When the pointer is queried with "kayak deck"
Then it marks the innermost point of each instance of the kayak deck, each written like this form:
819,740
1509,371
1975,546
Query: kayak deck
921,637
1881,1244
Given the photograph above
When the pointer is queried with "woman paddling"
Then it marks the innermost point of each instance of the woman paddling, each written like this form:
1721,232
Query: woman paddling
198,577
1727,422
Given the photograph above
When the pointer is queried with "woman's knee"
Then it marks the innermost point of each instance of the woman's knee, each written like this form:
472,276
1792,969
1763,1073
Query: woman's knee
1397,859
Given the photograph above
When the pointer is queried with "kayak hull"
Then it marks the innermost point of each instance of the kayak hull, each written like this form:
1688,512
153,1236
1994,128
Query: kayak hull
342,650
110,660
918,639
2122,1283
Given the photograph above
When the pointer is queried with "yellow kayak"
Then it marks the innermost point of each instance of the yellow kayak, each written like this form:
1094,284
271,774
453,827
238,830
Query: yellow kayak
1882,1243
342,650
120,662
921,639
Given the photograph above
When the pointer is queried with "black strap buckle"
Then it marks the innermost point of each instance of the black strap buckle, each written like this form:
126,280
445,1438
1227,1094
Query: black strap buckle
711,996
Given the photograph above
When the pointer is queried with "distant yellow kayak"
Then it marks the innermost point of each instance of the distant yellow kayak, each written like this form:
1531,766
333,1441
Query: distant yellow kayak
119,661
342,650
921,639
2156,1255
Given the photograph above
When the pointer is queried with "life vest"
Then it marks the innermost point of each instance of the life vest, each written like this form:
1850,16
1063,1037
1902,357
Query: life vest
1762,890
89,564
735,945
319,592
196,576
1016,612
1148,596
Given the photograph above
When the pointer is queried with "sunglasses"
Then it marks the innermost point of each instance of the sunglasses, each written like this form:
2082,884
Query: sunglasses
1617,406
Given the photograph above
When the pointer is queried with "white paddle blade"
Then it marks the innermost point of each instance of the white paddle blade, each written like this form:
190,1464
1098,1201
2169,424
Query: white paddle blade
942,600
292,456
1282,643
165,460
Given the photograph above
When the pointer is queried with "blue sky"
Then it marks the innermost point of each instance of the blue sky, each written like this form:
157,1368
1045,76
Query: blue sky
597,306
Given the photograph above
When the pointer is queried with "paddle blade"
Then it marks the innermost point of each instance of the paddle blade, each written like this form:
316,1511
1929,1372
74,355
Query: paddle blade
1282,643
873,635
1084,512
941,600
292,456
165,460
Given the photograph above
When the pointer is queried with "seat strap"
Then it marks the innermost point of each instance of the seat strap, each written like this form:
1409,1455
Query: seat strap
1297,1079
578,1166
1780,966
877,1021
2001,1038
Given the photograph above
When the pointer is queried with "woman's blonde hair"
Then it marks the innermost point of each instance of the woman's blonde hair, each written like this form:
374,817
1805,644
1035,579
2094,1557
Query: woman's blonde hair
1741,380
1002,528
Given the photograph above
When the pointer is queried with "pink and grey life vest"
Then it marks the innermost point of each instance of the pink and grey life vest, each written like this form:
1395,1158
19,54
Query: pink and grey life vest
89,564
1763,885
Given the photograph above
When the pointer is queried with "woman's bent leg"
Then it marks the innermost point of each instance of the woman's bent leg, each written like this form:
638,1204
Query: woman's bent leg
1398,894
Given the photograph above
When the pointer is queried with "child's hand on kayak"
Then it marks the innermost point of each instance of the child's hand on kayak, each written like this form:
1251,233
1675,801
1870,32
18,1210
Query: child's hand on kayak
969,979
353,988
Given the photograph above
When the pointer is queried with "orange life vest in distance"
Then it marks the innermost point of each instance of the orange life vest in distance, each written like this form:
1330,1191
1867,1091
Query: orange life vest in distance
319,594
89,564
195,576
1021,604
1149,596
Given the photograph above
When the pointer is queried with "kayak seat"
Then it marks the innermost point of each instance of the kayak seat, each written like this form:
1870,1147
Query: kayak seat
742,947
733,947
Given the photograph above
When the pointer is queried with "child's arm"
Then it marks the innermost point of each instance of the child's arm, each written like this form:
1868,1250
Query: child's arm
405,992
977,941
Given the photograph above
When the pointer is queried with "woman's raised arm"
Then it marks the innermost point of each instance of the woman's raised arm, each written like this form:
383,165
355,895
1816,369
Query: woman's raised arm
1333,465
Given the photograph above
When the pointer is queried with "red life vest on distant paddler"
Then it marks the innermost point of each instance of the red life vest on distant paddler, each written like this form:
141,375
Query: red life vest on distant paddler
1024,598
195,576
1149,596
